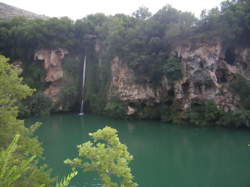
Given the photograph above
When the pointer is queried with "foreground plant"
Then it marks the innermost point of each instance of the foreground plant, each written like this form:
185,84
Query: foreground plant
19,158
9,171
66,180
107,156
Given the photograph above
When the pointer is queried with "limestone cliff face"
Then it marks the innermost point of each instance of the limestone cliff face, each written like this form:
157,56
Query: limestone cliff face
51,60
207,70
123,84
206,75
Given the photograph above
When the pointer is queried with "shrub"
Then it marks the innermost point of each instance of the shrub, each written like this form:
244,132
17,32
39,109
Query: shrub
40,104
172,69
241,87
107,156
115,109
204,113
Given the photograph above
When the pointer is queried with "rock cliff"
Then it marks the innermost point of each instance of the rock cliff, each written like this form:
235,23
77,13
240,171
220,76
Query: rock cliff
8,12
51,60
207,71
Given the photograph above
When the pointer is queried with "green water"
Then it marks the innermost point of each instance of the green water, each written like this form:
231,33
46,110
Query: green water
164,155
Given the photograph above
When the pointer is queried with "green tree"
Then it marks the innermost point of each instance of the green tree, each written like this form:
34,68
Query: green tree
12,90
40,104
142,13
9,171
66,180
107,156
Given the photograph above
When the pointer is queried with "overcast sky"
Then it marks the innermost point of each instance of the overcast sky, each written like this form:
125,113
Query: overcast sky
76,9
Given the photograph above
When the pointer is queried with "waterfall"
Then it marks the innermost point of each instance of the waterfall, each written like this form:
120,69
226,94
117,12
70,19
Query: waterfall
83,85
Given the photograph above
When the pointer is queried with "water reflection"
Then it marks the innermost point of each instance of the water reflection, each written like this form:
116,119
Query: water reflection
131,127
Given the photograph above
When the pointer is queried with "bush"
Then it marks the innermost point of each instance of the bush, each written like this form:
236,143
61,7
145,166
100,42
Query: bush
204,113
115,108
24,109
170,113
172,69
241,87
71,84
34,75
12,163
68,96
239,118
40,104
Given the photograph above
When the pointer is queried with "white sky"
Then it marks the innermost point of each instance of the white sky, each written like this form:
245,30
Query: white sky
76,9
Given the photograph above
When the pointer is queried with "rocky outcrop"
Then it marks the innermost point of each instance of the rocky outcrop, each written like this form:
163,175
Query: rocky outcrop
8,12
123,84
206,76
51,60
207,71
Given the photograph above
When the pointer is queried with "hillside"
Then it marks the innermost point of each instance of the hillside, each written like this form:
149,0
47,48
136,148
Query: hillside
8,11
168,66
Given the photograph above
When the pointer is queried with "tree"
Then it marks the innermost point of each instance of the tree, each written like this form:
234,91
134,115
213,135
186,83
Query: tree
230,22
9,171
107,156
12,90
142,13
40,104
66,180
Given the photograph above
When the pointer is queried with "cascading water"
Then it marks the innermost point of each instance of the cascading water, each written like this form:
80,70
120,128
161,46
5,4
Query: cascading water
83,85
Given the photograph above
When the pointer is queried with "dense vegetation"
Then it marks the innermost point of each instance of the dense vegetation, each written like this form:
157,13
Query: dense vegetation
26,150
230,22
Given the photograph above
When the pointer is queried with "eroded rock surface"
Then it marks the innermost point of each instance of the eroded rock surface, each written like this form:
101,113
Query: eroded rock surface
123,84
54,73
206,75
207,71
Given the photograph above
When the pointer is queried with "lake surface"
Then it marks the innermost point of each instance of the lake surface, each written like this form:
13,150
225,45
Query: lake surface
164,155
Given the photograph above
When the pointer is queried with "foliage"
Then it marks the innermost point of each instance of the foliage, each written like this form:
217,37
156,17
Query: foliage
149,112
98,76
107,156
239,118
172,69
115,108
230,22
20,35
142,13
65,181
34,75
12,90
145,44
203,113
170,113
40,104
9,171
241,87
24,109
70,87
